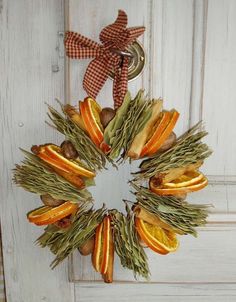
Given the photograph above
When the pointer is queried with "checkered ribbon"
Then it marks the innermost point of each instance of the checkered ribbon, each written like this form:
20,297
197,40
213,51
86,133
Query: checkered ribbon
113,37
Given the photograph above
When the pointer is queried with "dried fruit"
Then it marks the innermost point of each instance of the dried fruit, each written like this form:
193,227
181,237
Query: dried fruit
75,180
153,219
168,143
159,240
52,155
165,190
87,247
48,215
164,128
48,200
68,150
90,112
141,138
103,246
106,115
185,180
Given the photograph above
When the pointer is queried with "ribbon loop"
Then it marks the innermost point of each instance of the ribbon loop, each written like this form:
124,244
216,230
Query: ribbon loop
113,36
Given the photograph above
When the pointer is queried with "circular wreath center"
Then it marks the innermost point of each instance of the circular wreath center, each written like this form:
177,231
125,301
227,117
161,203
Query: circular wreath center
112,186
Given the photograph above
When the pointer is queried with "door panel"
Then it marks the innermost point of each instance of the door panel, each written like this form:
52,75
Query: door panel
208,259
219,94
190,48
156,292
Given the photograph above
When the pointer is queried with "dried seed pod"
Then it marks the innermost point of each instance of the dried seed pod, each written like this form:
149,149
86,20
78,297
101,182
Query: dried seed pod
87,247
63,223
68,150
48,200
169,142
35,149
107,115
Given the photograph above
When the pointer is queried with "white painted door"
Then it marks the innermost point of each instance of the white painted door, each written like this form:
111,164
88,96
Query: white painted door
191,63
191,52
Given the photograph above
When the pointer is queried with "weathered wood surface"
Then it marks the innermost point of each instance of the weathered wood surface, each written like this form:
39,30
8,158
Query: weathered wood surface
28,41
202,260
190,48
182,37
156,292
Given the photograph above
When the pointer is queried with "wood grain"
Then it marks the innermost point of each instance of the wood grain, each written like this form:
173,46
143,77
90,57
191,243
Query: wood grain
28,31
218,107
172,52
177,51
157,292
192,254
190,46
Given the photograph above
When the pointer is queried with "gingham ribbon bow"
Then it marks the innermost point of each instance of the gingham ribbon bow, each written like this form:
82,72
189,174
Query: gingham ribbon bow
113,37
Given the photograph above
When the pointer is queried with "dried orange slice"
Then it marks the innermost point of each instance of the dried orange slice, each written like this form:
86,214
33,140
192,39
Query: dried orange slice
48,215
163,130
159,240
162,122
52,155
90,111
108,276
75,180
163,190
97,247
95,109
103,246
53,163
185,180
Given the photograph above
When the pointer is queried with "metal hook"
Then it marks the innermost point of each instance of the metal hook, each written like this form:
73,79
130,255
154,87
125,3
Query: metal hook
122,53
137,59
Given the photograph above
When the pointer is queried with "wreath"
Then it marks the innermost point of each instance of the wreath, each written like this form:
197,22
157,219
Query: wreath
138,129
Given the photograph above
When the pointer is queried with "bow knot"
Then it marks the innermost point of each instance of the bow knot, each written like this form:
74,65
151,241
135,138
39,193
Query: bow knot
113,37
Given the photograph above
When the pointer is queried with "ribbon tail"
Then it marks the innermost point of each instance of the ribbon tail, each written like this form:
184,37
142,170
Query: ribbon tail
80,47
120,83
95,76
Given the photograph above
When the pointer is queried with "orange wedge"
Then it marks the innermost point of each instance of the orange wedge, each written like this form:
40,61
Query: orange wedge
52,155
159,240
162,132
103,246
48,215
163,190
90,111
